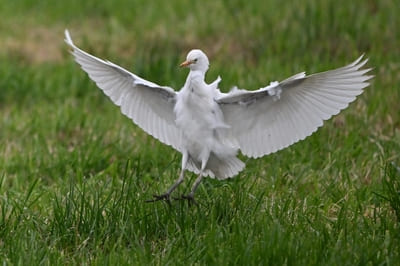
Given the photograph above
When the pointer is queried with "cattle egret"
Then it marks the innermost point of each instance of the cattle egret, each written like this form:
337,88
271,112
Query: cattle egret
209,127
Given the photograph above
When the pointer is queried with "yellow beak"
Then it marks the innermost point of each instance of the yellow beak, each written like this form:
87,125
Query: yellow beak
186,63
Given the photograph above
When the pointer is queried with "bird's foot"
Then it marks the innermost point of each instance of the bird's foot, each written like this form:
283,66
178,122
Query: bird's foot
165,197
189,197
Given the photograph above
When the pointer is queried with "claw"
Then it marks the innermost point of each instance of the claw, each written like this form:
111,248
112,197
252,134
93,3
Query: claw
189,198
164,197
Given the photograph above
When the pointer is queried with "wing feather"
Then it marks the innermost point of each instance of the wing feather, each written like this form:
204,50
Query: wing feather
149,105
264,123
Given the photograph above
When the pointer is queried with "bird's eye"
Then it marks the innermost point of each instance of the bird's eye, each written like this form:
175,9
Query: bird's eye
195,60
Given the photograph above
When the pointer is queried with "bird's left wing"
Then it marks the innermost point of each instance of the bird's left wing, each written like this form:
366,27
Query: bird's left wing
274,117
149,105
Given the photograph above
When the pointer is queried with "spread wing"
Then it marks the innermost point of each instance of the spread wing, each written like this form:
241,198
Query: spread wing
274,117
149,105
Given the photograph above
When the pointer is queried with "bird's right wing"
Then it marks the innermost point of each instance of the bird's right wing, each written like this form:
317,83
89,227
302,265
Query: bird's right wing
149,105
281,114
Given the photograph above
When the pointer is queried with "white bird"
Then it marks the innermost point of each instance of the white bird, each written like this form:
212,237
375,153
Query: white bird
209,127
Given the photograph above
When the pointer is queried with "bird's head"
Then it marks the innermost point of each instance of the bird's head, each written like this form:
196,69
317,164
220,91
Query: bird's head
196,60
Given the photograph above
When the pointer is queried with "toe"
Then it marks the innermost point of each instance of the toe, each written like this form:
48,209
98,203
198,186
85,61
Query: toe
164,197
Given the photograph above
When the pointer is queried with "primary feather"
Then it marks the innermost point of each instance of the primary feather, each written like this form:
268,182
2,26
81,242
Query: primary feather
209,127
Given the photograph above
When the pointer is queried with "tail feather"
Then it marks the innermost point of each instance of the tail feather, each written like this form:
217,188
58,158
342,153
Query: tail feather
220,168
224,168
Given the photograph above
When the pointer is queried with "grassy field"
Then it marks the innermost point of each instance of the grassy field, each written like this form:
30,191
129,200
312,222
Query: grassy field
75,173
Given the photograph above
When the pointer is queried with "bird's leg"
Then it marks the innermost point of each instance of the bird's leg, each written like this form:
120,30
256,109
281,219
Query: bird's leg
176,184
166,196
190,196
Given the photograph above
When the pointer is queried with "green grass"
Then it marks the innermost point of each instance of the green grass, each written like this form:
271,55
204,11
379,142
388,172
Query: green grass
75,173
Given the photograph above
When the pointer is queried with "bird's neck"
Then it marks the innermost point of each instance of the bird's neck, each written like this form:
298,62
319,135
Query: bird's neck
196,74
194,82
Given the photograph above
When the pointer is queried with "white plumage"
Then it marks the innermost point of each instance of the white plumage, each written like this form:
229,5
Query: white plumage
209,127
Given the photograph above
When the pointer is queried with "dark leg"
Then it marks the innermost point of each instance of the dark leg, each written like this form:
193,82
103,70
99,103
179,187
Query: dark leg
190,196
166,196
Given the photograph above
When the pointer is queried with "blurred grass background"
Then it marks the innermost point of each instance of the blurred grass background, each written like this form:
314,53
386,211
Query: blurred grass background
75,173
